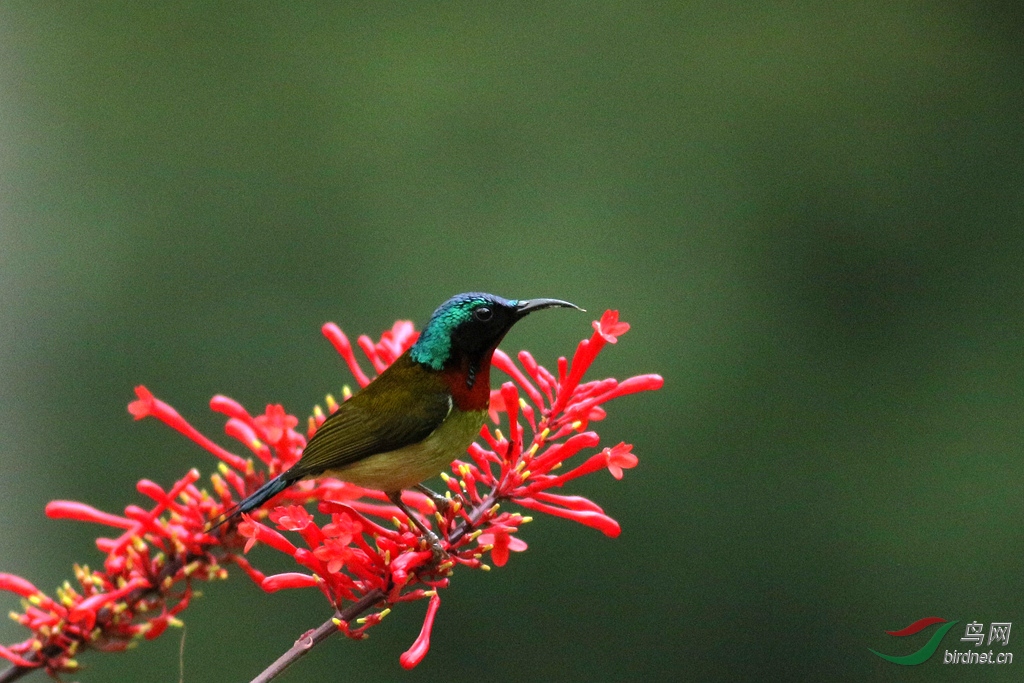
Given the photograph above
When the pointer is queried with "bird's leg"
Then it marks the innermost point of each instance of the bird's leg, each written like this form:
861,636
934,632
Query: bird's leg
440,502
435,543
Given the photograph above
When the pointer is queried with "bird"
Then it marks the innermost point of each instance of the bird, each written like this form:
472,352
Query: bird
418,415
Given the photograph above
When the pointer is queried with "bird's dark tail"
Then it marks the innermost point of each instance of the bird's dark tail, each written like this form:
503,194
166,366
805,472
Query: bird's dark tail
258,498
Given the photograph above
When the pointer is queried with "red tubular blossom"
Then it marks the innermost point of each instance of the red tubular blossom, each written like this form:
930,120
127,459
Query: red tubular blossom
406,563
18,585
155,628
334,553
614,459
144,406
231,408
356,562
370,349
16,660
415,654
563,451
256,531
495,406
344,348
272,584
502,542
275,424
244,432
148,405
619,458
609,327
511,396
291,517
69,509
544,379
255,574
570,502
596,520
85,611
629,386
505,364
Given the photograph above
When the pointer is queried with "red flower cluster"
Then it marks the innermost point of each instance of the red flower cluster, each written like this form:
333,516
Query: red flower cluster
365,553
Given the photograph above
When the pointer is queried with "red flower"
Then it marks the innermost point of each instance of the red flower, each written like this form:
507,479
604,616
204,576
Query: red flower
291,517
609,327
275,424
501,543
335,552
619,458
367,553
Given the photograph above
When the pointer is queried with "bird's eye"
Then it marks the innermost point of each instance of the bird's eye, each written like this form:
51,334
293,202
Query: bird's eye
483,314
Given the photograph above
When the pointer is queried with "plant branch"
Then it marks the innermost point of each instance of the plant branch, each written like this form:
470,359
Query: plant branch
14,672
321,633
318,635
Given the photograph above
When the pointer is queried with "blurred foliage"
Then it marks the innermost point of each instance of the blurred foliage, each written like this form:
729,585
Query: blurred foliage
810,213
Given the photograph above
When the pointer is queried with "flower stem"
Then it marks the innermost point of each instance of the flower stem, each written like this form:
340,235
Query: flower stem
325,630
13,673
321,633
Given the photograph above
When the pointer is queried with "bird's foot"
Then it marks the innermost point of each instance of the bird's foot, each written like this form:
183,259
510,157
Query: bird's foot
440,502
440,554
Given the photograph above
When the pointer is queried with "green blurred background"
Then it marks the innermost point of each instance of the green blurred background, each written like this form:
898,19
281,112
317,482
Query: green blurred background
812,218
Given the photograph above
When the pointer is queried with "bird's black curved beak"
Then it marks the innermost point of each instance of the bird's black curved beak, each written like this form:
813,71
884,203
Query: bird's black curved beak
526,306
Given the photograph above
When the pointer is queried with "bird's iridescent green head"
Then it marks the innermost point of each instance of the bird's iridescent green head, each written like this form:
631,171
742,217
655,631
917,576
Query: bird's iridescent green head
472,324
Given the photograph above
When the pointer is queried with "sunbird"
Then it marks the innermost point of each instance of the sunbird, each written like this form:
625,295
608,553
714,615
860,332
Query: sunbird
418,415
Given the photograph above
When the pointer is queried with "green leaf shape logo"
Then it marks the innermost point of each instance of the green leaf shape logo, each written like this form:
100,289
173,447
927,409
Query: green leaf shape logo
924,653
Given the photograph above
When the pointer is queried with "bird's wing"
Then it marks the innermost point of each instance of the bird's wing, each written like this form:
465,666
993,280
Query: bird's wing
398,409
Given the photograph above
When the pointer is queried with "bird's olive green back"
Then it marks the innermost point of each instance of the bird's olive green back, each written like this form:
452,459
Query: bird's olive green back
401,407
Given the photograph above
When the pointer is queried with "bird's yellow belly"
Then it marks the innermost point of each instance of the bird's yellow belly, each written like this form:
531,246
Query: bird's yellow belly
405,467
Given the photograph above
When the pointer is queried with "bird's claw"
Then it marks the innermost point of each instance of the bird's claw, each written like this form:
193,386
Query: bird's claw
440,502
440,554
